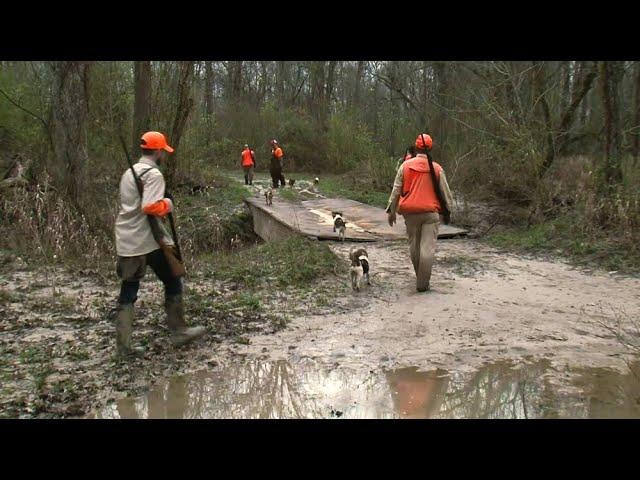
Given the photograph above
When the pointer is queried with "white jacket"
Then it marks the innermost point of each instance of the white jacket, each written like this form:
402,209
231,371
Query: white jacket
133,233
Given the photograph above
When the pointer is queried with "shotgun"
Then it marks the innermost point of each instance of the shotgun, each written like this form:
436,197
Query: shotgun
446,214
171,253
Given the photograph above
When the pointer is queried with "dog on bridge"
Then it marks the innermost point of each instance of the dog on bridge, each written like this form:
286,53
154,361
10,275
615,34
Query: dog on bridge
339,225
268,196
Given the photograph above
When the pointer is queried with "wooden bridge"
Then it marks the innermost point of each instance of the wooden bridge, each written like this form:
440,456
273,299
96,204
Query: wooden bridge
313,219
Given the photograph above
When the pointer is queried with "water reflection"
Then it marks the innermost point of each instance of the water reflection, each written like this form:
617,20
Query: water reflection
279,389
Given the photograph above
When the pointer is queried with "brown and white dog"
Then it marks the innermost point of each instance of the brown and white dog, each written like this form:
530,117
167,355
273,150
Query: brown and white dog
339,225
359,256
356,271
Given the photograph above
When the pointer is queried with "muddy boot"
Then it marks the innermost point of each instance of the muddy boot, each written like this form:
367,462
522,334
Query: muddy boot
180,334
124,328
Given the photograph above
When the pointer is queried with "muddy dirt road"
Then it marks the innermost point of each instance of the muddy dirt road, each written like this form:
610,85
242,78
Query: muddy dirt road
484,306
499,336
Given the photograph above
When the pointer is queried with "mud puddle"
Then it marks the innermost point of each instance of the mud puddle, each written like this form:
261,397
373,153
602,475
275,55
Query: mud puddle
307,389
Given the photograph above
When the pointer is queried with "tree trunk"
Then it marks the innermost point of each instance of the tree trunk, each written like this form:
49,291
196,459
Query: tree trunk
565,74
185,104
558,138
440,126
316,100
69,110
208,89
262,94
328,92
636,115
609,79
141,103
584,84
236,80
358,85
539,97
280,82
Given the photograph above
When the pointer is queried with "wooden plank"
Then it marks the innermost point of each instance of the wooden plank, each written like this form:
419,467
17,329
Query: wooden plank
313,218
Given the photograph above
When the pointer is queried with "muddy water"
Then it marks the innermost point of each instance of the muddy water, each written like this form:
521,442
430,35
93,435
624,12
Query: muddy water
306,389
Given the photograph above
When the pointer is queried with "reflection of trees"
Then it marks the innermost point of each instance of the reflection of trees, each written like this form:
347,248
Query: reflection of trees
242,390
610,394
261,389
127,408
496,391
279,389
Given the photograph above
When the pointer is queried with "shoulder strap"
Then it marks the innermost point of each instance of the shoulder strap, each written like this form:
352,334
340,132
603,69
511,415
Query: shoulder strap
138,180
146,171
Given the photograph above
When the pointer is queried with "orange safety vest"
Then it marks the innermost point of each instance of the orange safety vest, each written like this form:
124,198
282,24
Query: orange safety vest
247,161
418,192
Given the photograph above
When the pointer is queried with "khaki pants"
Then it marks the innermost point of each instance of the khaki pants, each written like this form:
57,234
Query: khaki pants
422,229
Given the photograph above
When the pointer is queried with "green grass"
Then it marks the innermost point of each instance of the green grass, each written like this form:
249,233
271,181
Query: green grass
225,195
565,236
33,354
345,186
7,296
292,261
348,185
289,194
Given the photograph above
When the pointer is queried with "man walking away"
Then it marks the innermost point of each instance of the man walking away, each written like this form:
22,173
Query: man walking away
248,161
414,196
137,248
276,165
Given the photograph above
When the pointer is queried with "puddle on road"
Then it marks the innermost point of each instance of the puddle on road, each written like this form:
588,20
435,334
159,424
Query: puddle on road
305,389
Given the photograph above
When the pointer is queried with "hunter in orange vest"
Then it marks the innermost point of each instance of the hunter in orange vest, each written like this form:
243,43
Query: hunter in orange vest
248,161
415,198
276,164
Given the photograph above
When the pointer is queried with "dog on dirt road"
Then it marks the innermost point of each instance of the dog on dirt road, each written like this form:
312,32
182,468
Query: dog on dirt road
356,271
339,225
361,256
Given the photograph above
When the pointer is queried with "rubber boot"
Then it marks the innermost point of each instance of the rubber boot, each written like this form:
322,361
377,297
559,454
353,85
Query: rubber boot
180,333
124,328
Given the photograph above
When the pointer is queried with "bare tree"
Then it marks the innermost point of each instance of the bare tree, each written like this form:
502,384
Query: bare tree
69,109
142,101
208,89
636,114
610,77
184,106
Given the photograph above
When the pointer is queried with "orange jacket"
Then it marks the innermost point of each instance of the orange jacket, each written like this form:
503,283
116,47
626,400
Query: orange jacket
418,193
247,160
277,152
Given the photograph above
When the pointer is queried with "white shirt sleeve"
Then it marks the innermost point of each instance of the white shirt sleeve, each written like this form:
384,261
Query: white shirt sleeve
154,187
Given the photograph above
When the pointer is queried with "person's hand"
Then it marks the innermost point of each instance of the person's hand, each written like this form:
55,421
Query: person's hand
391,217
